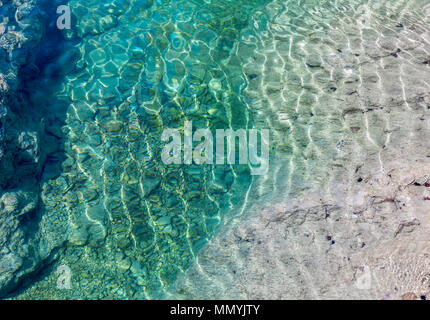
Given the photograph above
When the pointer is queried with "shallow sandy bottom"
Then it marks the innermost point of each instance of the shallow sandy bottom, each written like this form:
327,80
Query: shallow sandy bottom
342,214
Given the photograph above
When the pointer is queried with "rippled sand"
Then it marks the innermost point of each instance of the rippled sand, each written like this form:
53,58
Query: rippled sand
345,86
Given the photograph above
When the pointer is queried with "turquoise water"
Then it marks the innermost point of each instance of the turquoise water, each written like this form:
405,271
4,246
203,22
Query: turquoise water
132,224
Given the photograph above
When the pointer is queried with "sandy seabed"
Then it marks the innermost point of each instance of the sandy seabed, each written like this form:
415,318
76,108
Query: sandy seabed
350,219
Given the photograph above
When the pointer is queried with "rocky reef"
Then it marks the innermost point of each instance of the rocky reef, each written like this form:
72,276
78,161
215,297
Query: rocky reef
29,140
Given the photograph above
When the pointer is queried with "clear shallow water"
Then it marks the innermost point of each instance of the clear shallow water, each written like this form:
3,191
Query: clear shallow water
134,223
342,85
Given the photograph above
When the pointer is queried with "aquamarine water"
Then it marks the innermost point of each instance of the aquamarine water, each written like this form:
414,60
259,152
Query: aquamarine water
133,68
134,223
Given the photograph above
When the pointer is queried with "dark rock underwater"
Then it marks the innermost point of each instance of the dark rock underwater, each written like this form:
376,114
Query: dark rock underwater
30,136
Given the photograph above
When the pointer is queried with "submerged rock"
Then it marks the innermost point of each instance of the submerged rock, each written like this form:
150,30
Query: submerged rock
28,236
